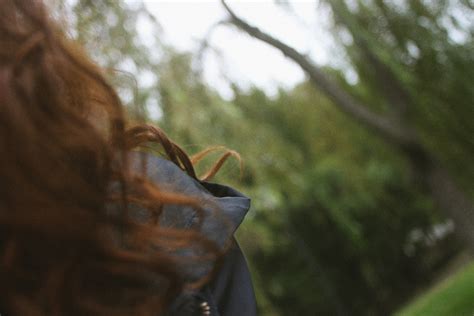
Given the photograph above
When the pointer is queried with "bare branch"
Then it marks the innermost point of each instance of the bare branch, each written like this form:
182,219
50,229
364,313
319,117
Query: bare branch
385,126
204,43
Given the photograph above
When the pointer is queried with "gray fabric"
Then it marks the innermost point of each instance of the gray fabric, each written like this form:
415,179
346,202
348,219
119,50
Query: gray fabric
232,289
231,292
224,208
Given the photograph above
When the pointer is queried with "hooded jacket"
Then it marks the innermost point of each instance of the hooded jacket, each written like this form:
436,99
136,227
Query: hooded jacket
230,293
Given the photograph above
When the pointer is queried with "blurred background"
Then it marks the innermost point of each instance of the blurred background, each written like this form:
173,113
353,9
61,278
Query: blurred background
355,122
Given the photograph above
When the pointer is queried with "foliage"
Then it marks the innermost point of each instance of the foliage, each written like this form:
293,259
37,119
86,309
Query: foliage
427,49
340,196
109,32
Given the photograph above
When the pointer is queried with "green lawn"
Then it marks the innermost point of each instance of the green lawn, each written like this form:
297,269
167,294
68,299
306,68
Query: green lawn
452,297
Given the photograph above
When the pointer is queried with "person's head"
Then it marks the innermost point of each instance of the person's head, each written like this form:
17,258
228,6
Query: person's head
63,165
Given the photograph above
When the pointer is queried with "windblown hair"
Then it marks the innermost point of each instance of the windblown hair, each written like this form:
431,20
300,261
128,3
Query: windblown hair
64,151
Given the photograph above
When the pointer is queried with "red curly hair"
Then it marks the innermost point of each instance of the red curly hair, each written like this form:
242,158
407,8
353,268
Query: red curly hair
63,162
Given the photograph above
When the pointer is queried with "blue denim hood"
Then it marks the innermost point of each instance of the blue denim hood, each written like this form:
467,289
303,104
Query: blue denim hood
224,208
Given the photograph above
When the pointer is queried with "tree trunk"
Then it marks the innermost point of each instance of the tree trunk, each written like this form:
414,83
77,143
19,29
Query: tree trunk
450,199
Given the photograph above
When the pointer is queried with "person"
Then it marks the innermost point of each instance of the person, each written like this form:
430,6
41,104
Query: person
93,222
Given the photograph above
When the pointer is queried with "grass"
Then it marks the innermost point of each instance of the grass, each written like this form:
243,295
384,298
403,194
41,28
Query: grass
451,297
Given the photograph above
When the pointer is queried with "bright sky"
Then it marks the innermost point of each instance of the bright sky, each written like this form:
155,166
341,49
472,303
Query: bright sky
236,55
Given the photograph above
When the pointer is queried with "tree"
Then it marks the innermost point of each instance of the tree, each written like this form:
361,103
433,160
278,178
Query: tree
394,125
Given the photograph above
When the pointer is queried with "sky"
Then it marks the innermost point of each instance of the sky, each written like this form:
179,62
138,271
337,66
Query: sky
233,54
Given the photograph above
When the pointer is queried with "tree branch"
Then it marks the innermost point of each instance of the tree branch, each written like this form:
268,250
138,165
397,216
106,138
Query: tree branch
446,194
383,125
